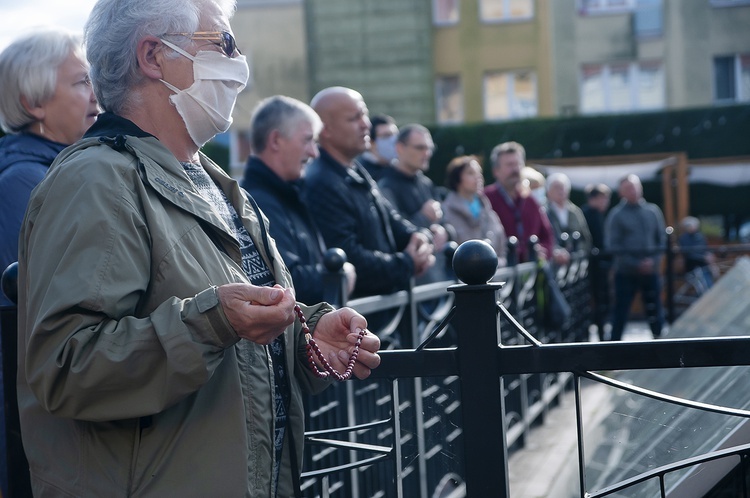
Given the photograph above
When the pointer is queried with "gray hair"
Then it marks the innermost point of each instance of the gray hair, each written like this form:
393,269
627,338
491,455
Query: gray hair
28,69
507,148
279,113
405,132
560,178
112,33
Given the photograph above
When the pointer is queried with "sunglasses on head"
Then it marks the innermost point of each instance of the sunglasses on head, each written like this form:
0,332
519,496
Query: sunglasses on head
222,39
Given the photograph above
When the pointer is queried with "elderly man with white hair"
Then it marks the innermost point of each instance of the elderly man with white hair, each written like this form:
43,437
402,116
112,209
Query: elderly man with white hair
564,216
161,350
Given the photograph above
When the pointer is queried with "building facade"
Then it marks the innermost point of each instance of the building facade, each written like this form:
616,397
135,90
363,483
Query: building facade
442,62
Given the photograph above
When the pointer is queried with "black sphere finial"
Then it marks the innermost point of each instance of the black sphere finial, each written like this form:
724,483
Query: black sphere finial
10,282
334,259
475,262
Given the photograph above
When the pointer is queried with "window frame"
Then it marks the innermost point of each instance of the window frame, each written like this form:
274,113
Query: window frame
511,99
505,18
448,22
634,71
439,79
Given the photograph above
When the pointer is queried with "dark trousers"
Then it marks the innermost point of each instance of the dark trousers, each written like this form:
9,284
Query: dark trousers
626,286
600,300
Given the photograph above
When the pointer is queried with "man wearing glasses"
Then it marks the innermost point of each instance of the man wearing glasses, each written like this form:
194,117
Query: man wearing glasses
412,193
161,351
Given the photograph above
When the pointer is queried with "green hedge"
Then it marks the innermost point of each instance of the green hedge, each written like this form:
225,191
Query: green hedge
701,133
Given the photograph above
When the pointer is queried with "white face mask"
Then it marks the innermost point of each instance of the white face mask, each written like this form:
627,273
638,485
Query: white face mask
387,147
206,106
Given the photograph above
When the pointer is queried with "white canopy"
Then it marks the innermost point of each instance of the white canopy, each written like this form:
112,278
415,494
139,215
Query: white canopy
726,175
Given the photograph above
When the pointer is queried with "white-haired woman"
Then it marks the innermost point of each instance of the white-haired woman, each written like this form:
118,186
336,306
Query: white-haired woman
46,103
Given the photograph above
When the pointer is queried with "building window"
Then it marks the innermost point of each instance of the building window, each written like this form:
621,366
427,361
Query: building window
509,95
588,7
648,18
729,3
622,87
449,99
445,12
732,78
505,10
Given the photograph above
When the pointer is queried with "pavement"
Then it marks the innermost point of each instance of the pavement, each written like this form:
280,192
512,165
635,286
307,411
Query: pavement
547,467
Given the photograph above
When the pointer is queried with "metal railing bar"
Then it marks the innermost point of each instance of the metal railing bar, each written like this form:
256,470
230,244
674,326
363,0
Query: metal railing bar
438,362
723,410
635,355
382,302
352,428
438,329
347,466
336,443
579,431
741,451
517,326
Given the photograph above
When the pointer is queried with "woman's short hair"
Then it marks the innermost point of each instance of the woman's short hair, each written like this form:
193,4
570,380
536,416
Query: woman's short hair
112,33
455,169
28,69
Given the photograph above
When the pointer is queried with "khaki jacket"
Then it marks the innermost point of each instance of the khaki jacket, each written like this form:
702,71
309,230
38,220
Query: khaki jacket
131,380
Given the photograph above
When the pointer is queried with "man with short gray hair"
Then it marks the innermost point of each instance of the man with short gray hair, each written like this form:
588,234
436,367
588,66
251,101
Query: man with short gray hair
284,132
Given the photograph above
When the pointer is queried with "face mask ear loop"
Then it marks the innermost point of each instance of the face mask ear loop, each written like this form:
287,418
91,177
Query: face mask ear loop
177,49
170,86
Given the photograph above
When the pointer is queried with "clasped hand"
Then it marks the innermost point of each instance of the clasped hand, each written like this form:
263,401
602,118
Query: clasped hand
261,314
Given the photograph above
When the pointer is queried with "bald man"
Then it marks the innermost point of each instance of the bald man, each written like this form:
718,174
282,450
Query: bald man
350,211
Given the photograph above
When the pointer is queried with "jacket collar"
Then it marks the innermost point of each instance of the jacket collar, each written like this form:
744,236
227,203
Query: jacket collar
257,173
354,174
161,170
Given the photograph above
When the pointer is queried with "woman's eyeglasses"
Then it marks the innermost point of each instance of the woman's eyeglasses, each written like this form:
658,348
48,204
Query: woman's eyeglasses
222,39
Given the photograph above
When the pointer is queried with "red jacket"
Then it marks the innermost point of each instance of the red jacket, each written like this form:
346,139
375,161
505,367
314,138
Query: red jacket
533,221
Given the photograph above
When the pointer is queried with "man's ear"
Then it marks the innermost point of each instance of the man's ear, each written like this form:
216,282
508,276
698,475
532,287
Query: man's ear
150,54
274,140
36,111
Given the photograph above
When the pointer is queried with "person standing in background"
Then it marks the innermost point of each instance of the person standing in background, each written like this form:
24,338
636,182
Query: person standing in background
413,194
468,211
284,132
46,104
564,216
597,203
382,152
519,213
634,231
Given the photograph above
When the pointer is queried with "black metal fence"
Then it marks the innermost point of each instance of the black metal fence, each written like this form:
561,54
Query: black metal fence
440,418
446,430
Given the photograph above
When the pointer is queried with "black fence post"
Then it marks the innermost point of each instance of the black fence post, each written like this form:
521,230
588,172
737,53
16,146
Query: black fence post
482,400
670,276
334,279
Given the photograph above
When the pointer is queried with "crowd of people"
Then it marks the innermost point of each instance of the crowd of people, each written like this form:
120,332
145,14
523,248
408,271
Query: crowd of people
163,339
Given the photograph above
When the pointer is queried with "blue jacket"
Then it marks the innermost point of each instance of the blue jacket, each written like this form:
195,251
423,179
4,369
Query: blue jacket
24,160
297,238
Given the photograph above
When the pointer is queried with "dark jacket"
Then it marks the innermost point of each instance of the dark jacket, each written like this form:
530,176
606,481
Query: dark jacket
297,238
408,193
24,160
352,214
